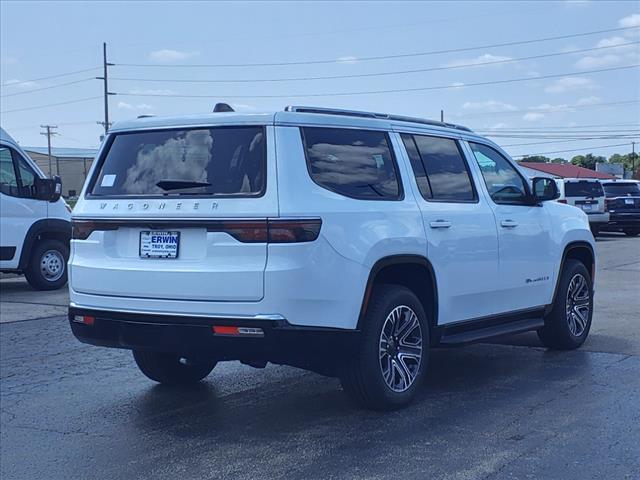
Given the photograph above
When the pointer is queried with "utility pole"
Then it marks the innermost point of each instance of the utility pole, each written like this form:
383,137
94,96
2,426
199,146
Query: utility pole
105,79
49,133
442,116
633,159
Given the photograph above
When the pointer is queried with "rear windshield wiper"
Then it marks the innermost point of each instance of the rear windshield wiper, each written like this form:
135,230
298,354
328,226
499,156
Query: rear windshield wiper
179,184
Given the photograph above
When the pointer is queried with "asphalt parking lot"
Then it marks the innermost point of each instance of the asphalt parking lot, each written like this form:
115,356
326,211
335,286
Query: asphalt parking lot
505,410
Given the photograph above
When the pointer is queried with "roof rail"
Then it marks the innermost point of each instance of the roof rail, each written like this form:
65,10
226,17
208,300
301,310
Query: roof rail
384,116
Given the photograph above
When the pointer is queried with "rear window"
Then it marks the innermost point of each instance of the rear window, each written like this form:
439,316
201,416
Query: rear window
350,162
583,189
221,161
621,189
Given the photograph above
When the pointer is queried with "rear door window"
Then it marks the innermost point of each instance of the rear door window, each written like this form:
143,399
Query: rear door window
221,161
583,189
621,189
352,162
440,169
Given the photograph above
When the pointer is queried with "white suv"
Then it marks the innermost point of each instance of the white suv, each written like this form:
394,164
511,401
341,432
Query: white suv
586,194
347,243
35,223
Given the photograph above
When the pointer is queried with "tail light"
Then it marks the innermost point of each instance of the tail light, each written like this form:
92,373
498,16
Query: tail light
562,200
81,229
607,203
280,230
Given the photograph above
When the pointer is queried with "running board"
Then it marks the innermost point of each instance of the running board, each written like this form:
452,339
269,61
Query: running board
478,334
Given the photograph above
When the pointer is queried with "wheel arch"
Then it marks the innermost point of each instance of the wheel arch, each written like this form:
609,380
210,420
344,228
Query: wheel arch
412,271
578,250
46,228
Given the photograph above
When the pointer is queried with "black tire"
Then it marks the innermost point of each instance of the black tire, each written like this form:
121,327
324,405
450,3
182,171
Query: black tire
562,331
172,369
362,376
631,232
47,267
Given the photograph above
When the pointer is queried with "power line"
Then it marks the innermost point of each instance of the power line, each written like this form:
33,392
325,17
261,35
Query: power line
22,82
567,135
381,57
367,75
58,85
565,108
575,149
559,141
35,107
555,127
395,90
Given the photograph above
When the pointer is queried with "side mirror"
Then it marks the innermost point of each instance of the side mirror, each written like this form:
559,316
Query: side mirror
48,189
544,189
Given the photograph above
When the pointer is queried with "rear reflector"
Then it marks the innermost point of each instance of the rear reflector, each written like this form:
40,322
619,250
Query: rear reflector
86,319
237,331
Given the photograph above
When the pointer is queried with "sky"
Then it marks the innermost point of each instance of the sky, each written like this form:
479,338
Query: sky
408,58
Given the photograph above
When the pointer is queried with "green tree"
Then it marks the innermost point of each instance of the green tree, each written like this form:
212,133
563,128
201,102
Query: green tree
536,159
588,161
559,160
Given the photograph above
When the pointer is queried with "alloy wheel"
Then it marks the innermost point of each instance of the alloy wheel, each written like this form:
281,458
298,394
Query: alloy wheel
578,304
400,348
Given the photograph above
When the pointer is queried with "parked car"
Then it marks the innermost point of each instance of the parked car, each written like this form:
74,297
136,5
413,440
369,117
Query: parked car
347,243
35,222
623,204
586,194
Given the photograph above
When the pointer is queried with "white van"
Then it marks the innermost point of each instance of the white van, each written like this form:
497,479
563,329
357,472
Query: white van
35,226
586,194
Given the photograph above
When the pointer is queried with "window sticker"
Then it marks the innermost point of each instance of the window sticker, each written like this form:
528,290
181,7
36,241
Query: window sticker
108,181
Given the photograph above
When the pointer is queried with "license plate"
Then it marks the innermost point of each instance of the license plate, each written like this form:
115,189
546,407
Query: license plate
628,201
586,207
159,244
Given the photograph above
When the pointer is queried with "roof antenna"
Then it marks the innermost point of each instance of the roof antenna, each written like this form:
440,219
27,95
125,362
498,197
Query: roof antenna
222,107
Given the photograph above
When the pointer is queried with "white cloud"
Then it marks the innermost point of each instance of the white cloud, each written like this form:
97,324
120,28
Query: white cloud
20,84
489,105
243,107
7,60
632,20
139,106
457,84
347,59
533,116
170,56
565,84
617,52
478,61
547,107
498,126
588,100
592,61
156,91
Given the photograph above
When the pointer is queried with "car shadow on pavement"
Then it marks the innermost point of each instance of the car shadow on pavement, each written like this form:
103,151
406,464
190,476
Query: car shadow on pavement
460,383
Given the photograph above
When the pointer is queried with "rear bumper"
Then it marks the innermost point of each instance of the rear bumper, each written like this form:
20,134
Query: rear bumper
619,221
319,349
598,219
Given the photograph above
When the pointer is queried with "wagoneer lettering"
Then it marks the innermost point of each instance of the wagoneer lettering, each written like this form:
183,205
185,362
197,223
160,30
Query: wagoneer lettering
346,243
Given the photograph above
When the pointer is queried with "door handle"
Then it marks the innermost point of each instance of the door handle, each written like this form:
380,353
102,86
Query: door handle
440,224
509,223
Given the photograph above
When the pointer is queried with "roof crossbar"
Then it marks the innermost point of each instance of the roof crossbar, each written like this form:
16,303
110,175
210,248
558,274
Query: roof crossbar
383,116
